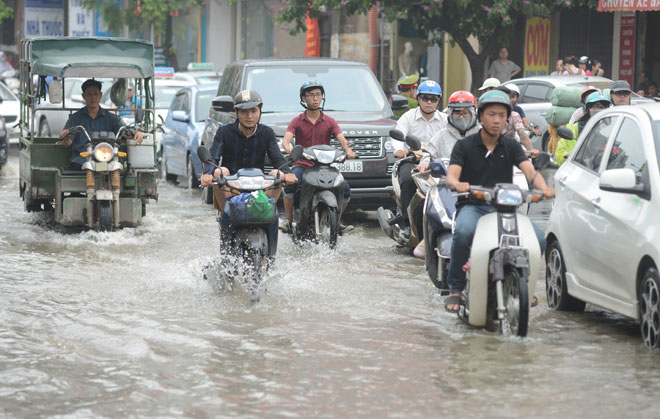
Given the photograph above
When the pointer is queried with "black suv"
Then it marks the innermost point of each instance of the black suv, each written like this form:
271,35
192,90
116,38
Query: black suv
353,97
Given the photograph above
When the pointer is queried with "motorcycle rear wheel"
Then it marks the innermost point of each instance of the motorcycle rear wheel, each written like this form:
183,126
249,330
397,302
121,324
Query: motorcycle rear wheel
328,226
105,215
516,301
438,268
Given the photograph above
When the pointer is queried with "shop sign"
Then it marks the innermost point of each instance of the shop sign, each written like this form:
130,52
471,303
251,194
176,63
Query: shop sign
627,47
537,46
628,5
81,21
44,18
312,38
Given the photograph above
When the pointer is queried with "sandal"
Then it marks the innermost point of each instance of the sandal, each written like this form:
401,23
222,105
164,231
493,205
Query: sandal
452,300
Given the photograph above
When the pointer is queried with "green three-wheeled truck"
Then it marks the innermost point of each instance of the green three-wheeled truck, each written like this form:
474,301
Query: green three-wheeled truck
119,176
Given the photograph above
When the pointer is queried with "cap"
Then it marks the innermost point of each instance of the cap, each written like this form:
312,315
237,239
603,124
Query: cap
621,86
406,82
91,83
491,82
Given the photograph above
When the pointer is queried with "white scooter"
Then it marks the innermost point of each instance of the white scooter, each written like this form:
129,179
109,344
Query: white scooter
504,262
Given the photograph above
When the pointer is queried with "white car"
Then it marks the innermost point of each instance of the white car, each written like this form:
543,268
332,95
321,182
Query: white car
603,235
10,109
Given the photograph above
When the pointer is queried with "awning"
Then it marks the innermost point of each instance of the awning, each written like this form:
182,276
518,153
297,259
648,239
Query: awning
628,5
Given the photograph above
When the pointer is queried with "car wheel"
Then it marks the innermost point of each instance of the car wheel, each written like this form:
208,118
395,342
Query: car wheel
191,178
44,128
649,308
555,281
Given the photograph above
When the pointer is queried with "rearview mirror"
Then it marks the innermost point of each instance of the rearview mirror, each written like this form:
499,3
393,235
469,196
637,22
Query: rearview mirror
413,142
180,116
55,92
618,180
139,116
399,102
565,133
296,153
204,154
223,104
542,161
397,135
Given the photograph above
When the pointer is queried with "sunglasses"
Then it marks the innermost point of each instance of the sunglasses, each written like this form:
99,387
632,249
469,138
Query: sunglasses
431,99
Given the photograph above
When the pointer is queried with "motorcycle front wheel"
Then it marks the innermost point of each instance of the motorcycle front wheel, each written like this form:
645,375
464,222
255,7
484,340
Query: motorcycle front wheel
328,226
105,215
516,301
256,260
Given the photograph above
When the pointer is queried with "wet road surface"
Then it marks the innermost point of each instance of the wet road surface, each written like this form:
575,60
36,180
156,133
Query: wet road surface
124,324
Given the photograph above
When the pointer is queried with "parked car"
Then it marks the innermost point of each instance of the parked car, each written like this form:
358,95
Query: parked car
603,236
4,143
353,97
199,73
10,108
182,132
535,94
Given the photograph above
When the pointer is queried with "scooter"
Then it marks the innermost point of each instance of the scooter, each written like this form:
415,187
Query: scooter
103,180
321,195
504,262
438,222
248,223
391,224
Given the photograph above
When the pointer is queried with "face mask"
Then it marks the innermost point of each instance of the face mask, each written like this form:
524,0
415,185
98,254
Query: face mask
595,111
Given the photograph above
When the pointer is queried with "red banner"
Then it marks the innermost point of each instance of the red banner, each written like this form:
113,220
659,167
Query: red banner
628,5
627,48
312,38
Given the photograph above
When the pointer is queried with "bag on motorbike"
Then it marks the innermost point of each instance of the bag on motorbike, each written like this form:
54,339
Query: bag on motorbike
559,115
251,208
567,96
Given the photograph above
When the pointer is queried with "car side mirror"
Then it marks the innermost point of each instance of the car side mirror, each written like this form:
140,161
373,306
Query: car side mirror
223,104
180,116
565,133
296,153
55,92
399,102
413,142
397,135
204,154
618,180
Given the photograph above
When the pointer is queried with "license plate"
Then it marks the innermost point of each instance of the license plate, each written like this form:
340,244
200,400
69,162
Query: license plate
349,166
101,167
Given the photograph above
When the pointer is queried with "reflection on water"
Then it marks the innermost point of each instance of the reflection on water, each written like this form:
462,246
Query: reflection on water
124,324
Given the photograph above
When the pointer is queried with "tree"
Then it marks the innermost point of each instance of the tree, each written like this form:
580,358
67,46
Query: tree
5,11
487,20
138,12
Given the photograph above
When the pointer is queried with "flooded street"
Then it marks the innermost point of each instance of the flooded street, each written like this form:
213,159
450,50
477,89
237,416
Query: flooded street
124,324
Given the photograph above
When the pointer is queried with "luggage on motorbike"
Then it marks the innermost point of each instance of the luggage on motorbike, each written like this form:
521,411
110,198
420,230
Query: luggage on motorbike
559,115
251,208
567,96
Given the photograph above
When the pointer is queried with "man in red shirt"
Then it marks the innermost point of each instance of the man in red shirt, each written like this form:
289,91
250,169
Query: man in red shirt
310,128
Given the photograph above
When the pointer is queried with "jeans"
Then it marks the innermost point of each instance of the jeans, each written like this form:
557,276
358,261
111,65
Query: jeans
466,224
290,190
408,188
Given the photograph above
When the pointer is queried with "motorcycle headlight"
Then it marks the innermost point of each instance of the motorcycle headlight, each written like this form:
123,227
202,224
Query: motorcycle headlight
509,197
103,152
325,156
249,182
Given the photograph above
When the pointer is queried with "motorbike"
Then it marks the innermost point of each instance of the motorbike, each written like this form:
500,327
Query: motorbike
102,179
248,223
504,262
320,198
391,224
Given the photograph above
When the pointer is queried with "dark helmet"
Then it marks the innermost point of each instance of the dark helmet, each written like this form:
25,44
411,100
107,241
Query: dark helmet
309,85
248,99
494,97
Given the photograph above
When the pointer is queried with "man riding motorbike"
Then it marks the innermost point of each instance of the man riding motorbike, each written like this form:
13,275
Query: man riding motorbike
312,127
245,144
423,122
485,158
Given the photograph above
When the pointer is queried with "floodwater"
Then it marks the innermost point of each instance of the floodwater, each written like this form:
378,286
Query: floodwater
124,324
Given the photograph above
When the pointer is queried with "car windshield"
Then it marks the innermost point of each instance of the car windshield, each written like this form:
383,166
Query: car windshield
5,93
164,95
348,89
203,105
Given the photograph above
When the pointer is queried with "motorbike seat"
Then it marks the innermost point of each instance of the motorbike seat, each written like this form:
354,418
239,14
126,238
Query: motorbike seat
68,171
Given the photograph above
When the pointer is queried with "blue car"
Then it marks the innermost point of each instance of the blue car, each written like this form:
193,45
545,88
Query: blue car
182,132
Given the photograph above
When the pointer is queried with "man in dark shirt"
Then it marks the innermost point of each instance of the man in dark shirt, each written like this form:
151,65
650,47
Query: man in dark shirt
312,127
485,158
244,144
93,118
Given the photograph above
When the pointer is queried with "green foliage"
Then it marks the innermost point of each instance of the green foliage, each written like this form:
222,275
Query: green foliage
149,11
5,11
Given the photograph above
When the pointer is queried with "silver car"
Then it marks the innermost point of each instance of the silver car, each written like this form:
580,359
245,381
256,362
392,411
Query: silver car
603,235
535,94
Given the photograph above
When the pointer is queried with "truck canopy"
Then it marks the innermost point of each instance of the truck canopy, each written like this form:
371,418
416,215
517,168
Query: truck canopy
89,57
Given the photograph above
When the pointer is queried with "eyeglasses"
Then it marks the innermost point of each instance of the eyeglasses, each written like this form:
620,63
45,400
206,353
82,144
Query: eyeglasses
621,93
431,99
313,95
461,114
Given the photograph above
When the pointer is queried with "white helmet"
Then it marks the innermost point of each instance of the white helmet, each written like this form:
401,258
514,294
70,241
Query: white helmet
514,88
